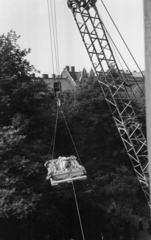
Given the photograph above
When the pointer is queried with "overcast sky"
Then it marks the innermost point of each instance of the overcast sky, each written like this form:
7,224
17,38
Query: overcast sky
29,18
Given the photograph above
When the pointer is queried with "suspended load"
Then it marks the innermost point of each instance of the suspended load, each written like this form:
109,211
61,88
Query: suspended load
64,169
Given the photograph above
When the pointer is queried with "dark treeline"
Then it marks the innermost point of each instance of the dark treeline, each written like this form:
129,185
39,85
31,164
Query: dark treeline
30,209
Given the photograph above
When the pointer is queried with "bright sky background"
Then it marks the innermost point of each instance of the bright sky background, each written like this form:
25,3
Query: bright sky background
29,18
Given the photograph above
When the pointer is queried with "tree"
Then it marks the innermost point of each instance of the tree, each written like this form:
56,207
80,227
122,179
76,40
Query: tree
13,59
24,113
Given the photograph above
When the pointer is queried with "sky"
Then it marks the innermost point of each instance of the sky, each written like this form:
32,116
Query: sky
29,19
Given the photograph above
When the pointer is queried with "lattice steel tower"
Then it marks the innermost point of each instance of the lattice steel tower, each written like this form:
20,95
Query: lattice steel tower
116,93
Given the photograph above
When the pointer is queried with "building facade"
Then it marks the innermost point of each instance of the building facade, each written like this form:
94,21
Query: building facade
69,78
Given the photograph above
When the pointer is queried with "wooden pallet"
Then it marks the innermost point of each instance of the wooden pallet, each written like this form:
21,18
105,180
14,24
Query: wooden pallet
68,179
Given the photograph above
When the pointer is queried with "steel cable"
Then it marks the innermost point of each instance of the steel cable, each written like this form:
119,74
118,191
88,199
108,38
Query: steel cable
70,136
122,58
50,34
52,15
122,37
82,232
56,34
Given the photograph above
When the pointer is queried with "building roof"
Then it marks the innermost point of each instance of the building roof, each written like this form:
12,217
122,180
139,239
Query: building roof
78,76
75,75
69,77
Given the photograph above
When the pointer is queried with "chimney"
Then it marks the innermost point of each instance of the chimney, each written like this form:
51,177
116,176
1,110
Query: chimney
45,75
53,75
72,69
67,67
33,75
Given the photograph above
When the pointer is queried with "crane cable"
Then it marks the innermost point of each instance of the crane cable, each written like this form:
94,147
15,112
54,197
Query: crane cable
56,34
122,38
123,59
50,35
55,132
76,201
52,144
82,232
70,135
54,41
53,139
53,35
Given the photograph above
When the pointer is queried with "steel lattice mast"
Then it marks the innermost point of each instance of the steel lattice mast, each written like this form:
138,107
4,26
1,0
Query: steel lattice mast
94,36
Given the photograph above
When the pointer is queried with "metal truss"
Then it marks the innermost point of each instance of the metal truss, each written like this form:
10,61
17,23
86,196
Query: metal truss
116,93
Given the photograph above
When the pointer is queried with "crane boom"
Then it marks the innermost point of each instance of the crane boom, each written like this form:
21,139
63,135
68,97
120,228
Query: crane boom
116,94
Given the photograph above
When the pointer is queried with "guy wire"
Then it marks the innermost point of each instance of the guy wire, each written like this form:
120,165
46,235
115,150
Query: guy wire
122,38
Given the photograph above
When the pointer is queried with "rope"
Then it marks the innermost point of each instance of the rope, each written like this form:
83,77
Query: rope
51,143
122,58
122,38
52,19
78,211
50,34
70,135
57,51
114,50
54,35
54,137
55,130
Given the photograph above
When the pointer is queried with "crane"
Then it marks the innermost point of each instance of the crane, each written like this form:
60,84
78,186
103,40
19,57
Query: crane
95,38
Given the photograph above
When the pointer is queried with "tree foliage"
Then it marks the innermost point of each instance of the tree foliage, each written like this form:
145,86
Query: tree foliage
22,122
